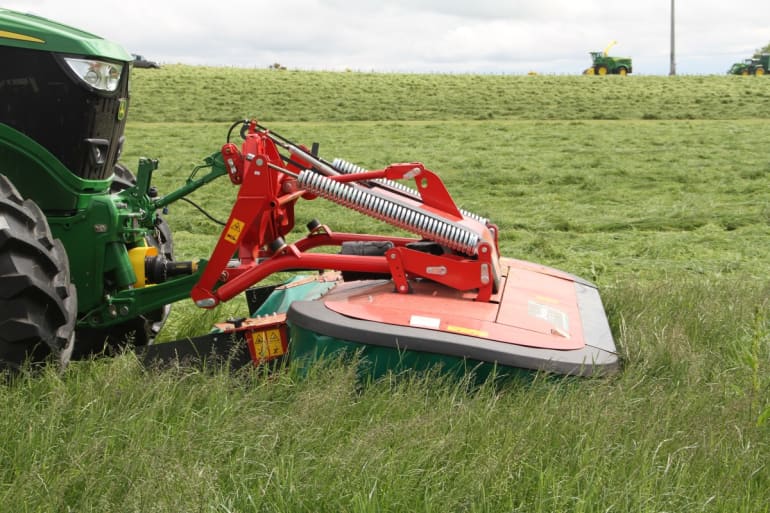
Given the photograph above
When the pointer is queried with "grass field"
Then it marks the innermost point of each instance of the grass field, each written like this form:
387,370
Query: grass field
656,188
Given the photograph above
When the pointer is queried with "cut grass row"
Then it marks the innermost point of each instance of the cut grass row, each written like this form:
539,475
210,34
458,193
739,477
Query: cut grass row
201,94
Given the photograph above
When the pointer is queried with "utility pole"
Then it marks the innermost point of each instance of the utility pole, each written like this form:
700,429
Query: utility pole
672,70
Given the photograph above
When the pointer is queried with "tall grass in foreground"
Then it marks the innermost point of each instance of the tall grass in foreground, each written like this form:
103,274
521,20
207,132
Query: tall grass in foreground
680,429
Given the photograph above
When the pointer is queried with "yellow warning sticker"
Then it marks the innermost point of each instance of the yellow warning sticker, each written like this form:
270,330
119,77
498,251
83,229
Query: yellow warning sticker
267,344
467,331
234,231
274,345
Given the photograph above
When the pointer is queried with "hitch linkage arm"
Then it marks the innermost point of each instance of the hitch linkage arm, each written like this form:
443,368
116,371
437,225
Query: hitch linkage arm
252,244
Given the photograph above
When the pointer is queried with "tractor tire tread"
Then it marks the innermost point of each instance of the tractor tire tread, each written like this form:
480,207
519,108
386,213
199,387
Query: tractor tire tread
38,303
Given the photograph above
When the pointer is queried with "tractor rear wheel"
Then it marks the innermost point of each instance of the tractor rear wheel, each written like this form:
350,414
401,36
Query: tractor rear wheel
38,304
759,72
622,71
142,330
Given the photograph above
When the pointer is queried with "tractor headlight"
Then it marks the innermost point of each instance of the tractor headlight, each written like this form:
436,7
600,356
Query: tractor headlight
101,75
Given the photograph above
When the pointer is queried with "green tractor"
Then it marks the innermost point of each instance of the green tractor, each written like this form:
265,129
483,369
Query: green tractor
81,236
603,64
758,65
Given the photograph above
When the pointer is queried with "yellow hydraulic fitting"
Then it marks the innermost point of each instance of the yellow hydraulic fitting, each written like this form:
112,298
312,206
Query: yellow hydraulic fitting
137,257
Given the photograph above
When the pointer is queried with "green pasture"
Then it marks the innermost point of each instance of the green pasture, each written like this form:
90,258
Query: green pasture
655,188
185,93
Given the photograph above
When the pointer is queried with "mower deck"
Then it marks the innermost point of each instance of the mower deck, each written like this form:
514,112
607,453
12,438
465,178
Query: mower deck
542,319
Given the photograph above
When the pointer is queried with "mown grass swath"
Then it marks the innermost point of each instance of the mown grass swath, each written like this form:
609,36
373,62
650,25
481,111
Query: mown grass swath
657,188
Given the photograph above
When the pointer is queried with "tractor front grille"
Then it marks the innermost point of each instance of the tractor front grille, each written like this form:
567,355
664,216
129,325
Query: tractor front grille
42,99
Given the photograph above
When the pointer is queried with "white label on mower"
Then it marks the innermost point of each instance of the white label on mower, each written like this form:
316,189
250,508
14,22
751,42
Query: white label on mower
551,315
420,321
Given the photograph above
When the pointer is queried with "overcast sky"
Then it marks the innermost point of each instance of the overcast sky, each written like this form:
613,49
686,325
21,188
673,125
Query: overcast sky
452,36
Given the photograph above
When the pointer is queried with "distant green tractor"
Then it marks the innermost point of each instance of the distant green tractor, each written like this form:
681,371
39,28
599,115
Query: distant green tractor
758,65
603,64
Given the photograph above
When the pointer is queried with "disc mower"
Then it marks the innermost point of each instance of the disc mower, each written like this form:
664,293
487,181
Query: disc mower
87,259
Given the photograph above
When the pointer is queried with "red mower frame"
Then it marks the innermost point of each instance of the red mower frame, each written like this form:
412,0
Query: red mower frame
273,174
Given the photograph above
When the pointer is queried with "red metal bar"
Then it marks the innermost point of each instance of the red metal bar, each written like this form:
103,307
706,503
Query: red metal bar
291,260
358,177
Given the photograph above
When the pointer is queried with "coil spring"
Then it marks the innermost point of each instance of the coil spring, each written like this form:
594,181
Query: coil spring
345,167
426,225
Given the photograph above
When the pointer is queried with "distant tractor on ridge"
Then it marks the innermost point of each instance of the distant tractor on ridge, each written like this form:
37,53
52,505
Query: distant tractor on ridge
758,65
603,64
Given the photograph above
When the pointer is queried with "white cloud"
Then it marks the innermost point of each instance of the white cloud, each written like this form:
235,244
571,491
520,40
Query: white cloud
496,36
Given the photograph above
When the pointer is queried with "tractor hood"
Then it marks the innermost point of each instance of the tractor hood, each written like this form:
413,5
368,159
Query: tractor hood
38,33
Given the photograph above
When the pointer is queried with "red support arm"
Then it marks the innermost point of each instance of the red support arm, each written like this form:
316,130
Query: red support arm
263,214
